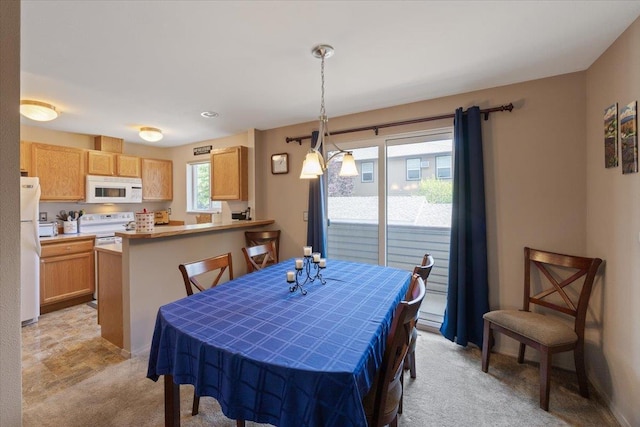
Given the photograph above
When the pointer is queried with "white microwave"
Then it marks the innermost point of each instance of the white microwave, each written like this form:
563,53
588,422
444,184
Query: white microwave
113,189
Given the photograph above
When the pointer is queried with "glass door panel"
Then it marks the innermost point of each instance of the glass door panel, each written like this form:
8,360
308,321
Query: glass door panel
353,208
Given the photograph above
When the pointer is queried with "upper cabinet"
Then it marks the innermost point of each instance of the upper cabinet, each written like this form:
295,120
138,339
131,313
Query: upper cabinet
128,166
157,179
25,157
61,171
101,163
229,174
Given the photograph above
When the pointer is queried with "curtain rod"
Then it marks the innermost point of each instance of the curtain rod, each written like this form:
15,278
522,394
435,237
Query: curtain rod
375,128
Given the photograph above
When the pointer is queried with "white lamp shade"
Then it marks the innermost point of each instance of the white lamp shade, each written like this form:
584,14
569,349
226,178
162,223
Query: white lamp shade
150,134
348,166
306,176
311,164
39,111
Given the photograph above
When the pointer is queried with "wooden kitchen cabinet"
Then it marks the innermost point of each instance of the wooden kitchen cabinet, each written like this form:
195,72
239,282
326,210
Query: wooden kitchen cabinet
229,174
61,171
25,157
128,166
110,309
157,179
67,273
101,163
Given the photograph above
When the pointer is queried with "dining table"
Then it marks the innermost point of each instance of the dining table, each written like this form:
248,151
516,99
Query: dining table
276,356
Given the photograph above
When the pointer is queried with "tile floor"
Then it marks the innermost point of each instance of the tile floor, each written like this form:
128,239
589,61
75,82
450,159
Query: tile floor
61,349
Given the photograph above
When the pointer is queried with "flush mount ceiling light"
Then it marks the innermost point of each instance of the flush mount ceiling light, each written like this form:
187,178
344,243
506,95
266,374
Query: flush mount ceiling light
209,114
36,110
314,164
150,134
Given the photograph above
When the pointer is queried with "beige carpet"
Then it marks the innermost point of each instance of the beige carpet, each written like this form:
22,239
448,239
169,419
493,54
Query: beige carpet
451,390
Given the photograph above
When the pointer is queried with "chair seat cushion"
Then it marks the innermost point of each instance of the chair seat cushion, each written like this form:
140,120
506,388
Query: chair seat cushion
538,327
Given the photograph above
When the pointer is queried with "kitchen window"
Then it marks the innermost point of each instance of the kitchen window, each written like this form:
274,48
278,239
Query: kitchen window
199,188
367,172
413,169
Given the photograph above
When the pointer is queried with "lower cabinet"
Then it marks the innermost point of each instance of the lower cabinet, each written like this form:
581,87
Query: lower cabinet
67,274
110,295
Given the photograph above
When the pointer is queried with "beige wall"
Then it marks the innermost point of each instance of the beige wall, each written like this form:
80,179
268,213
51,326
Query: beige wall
10,342
613,223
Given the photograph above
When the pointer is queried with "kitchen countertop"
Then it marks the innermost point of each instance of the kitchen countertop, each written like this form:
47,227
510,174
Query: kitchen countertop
66,237
177,230
114,248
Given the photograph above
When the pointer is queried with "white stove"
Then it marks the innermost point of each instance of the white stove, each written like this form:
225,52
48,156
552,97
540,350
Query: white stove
105,225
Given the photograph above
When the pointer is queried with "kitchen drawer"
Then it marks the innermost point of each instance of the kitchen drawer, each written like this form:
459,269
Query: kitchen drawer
66,248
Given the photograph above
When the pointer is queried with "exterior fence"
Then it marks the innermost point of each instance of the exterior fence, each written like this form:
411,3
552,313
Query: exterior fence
406,245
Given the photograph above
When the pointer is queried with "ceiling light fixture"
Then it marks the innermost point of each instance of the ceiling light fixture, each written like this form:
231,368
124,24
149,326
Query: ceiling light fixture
150,134
209,114
314,164
36,110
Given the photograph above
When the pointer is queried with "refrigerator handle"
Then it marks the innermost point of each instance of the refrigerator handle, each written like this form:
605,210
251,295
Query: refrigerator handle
35,221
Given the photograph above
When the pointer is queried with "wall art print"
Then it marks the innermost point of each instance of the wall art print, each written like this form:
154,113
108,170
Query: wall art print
611,136
629,137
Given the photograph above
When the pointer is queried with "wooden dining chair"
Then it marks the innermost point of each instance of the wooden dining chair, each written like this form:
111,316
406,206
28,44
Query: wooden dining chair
192,270
545,332
256,238
381,404
423,270
259,257
190,273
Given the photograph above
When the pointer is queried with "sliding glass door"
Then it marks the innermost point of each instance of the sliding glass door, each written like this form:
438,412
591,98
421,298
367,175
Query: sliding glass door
397,209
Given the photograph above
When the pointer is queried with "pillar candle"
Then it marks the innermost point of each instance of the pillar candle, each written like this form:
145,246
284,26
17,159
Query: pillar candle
307,250
298,263
316,257
322,263
290,276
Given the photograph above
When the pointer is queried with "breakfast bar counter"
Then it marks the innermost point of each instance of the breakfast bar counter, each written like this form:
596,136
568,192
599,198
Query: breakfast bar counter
176,230
150,274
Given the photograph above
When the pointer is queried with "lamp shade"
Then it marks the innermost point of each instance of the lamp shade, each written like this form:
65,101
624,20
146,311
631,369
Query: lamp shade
303,175
348,166
39,111
150,134
312,164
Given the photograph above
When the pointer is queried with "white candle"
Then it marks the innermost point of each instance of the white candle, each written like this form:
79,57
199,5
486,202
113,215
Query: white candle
322,263
316,257
299,264
290,276
307,250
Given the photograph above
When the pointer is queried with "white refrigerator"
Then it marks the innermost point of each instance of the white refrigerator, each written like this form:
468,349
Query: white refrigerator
29,250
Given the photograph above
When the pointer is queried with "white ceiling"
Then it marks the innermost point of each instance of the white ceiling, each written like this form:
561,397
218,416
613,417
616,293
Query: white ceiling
114,66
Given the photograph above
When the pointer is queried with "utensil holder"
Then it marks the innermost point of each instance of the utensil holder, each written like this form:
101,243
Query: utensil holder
70,227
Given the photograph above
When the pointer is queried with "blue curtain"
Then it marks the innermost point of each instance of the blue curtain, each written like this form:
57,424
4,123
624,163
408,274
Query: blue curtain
468,292
317,218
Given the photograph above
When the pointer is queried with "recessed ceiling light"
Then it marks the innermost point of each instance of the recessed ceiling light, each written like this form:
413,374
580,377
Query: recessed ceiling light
209,114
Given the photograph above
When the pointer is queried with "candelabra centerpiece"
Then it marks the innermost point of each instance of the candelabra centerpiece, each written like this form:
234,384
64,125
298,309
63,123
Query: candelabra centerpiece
307,270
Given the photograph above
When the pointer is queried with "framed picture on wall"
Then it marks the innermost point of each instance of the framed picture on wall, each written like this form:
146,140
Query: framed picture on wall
629,138
611,136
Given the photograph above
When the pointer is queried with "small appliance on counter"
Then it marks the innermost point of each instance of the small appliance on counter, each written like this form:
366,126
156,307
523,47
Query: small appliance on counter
242,216
47,229
161,217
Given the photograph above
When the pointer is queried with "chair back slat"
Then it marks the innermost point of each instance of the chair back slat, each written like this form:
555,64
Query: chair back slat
585,267
191,271
256,238
258,257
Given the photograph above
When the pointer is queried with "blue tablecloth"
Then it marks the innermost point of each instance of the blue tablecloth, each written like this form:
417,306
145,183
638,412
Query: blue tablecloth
272,356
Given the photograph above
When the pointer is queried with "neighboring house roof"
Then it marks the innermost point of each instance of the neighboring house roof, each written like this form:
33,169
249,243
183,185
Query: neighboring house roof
406,150
402,210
